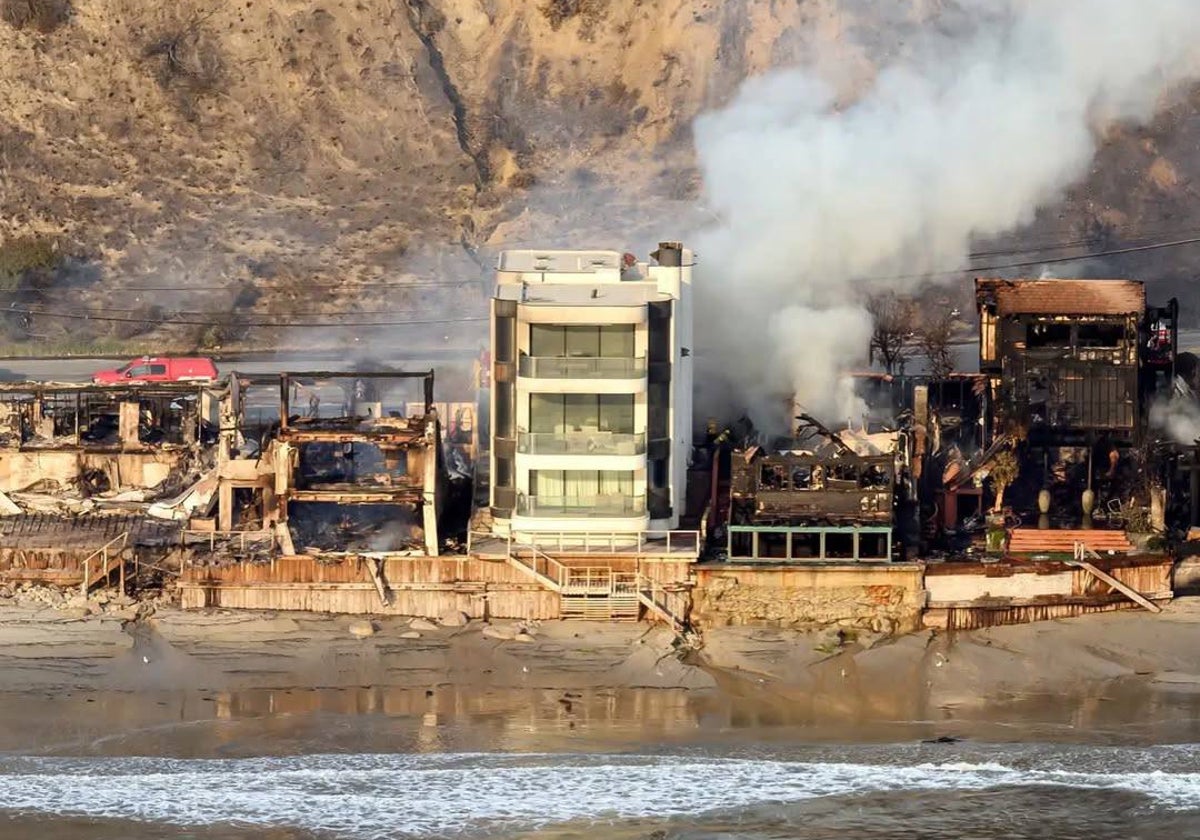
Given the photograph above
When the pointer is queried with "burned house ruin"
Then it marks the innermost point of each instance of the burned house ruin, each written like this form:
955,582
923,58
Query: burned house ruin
1073,367
363,476
832,500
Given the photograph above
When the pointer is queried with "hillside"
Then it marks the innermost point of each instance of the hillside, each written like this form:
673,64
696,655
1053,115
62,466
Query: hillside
162,168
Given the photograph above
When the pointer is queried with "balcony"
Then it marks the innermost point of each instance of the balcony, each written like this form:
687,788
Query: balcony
581,443
581,506
562,367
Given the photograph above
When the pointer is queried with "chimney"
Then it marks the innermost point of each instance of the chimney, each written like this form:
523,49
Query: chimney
669,254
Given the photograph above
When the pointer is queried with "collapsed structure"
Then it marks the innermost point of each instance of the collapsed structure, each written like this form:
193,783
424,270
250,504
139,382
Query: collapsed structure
77,462
368,463
835,500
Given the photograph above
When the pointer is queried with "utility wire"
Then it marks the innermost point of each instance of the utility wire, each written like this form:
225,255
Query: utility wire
169,314
1114,252
93,314
237,285
237,323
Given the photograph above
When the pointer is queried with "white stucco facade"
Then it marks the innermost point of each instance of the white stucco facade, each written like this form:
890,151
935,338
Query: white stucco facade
591,401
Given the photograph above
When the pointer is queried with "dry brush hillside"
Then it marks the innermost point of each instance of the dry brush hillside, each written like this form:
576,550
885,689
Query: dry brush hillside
299,158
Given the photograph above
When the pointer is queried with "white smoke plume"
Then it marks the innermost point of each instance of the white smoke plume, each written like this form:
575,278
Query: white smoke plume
1179,418
820,201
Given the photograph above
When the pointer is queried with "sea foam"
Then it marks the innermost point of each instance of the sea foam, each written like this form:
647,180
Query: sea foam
375,796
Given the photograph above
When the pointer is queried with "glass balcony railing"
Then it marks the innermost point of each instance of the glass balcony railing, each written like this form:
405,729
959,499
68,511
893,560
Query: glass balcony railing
581,443
581,505
556,367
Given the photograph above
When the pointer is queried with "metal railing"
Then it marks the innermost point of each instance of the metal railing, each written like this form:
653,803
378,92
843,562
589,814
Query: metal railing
627,543
581,506
563,367
581,443
631,543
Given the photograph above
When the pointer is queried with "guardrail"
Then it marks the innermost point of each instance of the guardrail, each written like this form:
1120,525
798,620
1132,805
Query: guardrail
667,604
581,443
241,538
633,543
629,543
103,557
544,567
581,506
562,367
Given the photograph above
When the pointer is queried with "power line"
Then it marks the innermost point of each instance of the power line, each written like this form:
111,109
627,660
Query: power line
169,314
1129,234
350,287
173,317
209,323
1114,252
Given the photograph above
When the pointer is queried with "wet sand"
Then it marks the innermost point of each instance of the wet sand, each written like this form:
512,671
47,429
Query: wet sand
85,703
223,683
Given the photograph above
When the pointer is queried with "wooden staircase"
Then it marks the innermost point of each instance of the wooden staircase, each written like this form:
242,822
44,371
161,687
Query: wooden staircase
597,593
667,603
101,563
1061,541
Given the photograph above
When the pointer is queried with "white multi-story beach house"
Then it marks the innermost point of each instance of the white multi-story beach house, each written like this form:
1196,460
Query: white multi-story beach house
591,398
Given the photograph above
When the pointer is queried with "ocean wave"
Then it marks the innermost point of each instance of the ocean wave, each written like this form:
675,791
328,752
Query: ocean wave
374,796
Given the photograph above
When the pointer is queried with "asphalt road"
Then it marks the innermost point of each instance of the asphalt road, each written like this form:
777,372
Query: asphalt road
81,370
966,358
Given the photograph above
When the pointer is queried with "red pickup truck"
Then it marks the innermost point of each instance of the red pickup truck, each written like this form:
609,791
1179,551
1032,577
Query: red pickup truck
159,369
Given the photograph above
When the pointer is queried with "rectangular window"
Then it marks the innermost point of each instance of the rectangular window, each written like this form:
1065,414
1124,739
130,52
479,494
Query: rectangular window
1048,335
582,342
503,396
658,396
1101,335
581,412
806,546
505,326
987,335
839,546
547,340
658,473
614,341
583,493
772,545
873,547
616,413
564,413
660,333
584,485
545,413
741,544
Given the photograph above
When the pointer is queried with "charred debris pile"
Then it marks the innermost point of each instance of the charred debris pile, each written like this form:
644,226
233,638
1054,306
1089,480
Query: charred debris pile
1082,417
243,470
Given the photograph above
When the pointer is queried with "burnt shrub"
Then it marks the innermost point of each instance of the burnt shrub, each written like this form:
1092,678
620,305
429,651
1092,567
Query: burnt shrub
559,12
43,15
218,329
188,61
24,255
141,321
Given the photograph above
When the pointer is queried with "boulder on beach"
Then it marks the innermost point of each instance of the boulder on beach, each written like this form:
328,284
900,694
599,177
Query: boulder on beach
361,629
454,618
